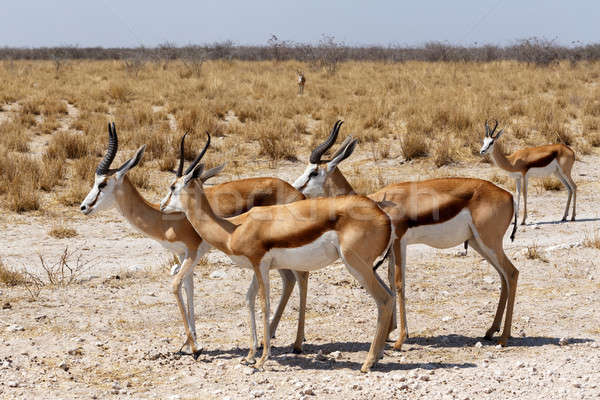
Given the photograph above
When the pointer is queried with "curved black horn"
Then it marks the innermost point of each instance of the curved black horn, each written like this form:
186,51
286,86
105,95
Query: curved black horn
494,129
199,157
315,156
181,160
113,145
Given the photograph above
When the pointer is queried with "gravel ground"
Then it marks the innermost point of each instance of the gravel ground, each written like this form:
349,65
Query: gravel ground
115,332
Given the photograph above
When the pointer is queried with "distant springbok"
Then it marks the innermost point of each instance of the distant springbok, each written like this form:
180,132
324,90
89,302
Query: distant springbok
301,82
551,159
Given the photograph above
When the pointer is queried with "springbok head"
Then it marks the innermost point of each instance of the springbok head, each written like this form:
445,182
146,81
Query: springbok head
490,138
107,180
312,182
180,190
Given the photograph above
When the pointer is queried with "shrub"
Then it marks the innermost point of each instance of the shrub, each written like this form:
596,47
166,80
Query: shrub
414,146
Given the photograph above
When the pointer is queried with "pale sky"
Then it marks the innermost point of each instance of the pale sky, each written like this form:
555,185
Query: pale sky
126,23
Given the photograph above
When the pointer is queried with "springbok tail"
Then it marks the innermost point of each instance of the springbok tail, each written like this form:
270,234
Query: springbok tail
387,253
512,235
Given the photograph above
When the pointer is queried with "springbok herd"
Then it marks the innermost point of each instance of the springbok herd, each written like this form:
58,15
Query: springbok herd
266,223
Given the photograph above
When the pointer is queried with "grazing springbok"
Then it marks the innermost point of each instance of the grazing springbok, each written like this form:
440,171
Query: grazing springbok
301,82
441,213
304,236
551,159
173,231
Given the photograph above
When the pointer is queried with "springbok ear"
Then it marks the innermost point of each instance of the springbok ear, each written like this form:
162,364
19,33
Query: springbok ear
497,135
342,155
132,162
212,172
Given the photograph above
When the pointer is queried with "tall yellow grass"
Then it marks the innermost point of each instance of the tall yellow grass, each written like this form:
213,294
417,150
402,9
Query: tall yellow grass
429,112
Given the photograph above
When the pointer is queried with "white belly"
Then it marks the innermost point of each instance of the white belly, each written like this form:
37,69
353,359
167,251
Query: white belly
544,171
443,235
175,247
312,256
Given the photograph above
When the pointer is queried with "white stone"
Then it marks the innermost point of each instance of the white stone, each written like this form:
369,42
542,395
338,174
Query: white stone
446,318
15,328
13,384
219,274
479,345
257,393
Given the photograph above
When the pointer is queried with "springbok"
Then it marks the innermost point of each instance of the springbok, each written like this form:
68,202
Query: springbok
441,213
301,82
551,159
303,236
173,231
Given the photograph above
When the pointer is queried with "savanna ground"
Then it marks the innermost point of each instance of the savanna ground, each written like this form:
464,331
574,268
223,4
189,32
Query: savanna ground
98,319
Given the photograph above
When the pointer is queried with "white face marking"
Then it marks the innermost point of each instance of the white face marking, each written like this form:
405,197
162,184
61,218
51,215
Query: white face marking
172,201
101,196
311,183
488,143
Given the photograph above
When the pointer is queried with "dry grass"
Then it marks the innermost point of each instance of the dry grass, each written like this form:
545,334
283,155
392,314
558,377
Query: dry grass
62,232
534,253
592,240
259,121
551,184
10,276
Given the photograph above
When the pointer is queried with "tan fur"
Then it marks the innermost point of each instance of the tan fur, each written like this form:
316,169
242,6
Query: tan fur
521,161
231,198
413,204
363,229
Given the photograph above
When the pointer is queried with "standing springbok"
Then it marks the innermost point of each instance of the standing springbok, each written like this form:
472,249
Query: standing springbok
551,159
301,82
441,213
173,231
304,236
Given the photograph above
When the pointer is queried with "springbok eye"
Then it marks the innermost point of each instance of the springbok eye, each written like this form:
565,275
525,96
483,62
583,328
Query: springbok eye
102,185
313,173
172,188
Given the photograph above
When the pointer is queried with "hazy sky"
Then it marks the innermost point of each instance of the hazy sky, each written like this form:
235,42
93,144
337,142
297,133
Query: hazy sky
33,23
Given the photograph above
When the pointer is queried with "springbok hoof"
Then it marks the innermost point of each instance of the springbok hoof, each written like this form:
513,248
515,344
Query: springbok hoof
296,350
196,354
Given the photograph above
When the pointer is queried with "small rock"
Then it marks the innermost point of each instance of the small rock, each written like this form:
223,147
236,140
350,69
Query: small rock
424,378
519,364
479,345
6,306
13,384
595,345
15,328
77,351
248,370
63,365
257,393
41,317
356,387
308,392
563,341
577,385
446,318
336,354
219,274
134,268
